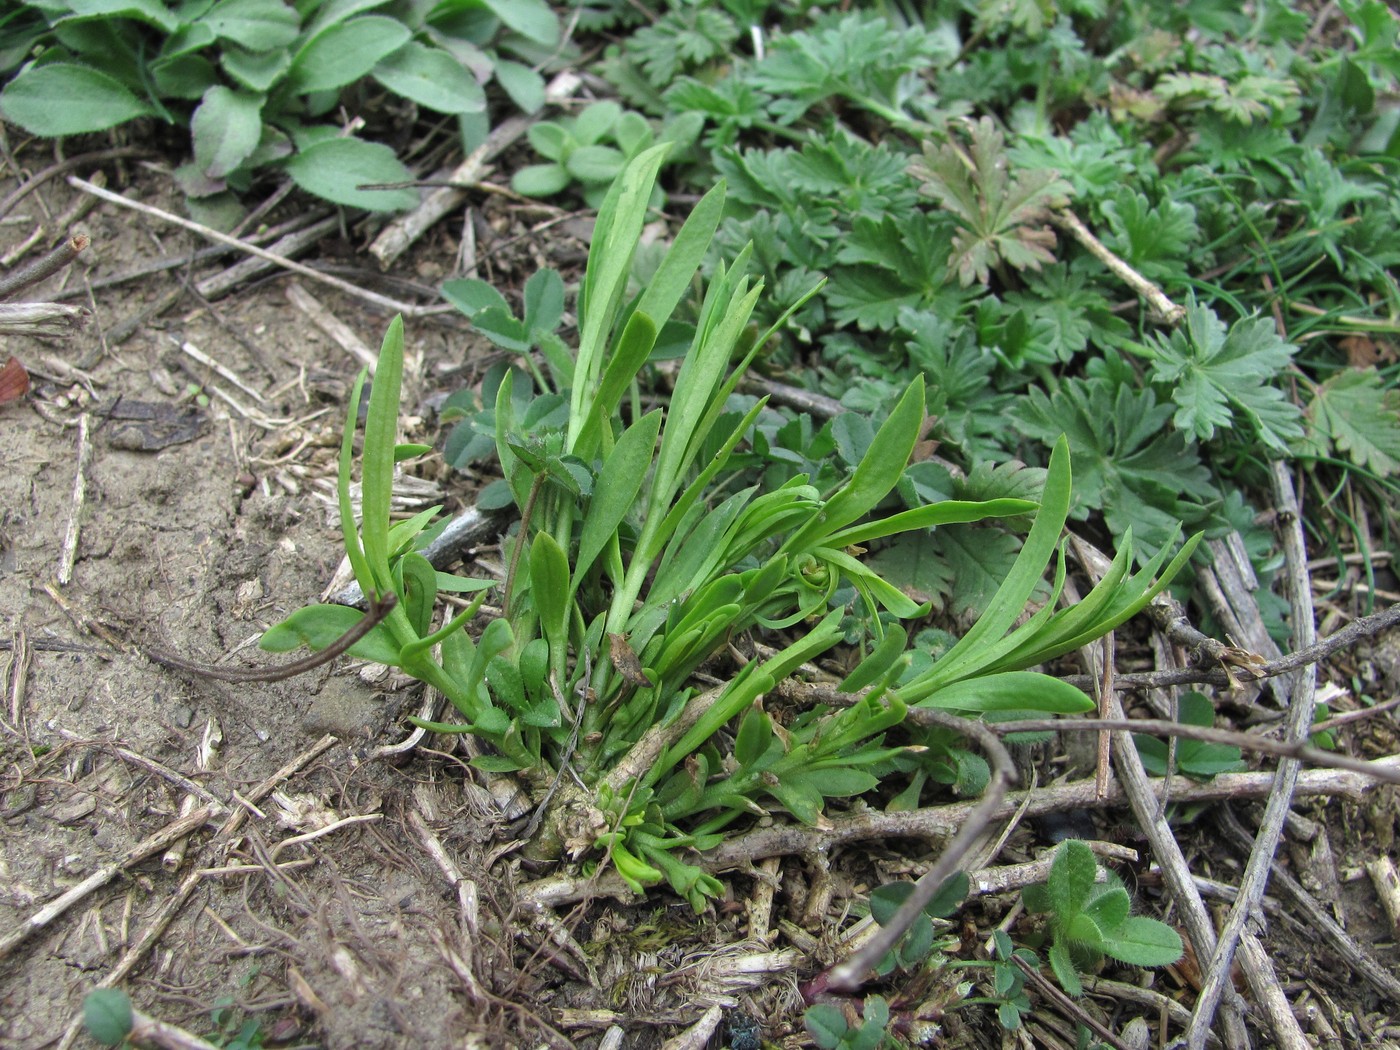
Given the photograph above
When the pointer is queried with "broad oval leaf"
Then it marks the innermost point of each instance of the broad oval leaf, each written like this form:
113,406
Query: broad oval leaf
152,12
334,169
227,127
65,98
470,295
525,87
258,25
540,180
1141,941
432,78
595,163
344,53
533,19
258,70
107,1015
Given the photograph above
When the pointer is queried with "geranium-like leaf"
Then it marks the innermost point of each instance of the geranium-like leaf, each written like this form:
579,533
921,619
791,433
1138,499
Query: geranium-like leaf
1001,217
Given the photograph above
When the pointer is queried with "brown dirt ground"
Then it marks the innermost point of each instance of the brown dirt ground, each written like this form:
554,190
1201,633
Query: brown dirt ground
198,547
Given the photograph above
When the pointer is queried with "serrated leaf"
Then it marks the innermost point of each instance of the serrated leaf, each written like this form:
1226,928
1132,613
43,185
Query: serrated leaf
1361,417
432,78
978,559
1217,374
1154,240
335,169
65,98
1002,218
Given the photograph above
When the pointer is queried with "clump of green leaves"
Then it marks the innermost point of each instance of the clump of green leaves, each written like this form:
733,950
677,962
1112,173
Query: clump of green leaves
592,148
257,81
1090,917
639,556
831,1029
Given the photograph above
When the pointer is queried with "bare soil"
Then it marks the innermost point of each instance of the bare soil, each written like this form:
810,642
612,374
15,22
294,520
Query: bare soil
355,938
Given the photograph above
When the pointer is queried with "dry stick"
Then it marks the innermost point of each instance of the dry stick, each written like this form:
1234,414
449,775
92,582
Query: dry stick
935,824
213,251
219,284
13,283
848,975
1147,807
68,553
182,895
176,779
382,301
401,233
149,1030
209,745
1360,961
176,829
1290,749
1256,875
67,165
1365,627
42,318
1163,308
1067,1006
340,332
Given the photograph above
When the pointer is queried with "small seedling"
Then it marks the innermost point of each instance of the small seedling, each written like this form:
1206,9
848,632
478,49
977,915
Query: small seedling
1090,919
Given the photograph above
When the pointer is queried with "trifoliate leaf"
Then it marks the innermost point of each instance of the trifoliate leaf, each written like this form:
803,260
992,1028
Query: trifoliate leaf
1153,240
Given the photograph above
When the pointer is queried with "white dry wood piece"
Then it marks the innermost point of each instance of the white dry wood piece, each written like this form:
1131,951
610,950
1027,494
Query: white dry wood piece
400,235
220,284
340,332
176,829
697,1036
1387,883
68,553
1258,970
177,900
42,318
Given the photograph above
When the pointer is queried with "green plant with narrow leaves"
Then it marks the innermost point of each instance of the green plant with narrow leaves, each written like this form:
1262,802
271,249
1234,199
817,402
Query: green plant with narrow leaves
258,81
1090,917
632,566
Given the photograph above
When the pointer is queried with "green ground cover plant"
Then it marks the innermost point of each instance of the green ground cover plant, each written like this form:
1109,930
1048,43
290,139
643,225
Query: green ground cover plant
931,160
641,556
259,82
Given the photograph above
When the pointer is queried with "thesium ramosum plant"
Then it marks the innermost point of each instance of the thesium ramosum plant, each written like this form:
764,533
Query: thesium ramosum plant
640,556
